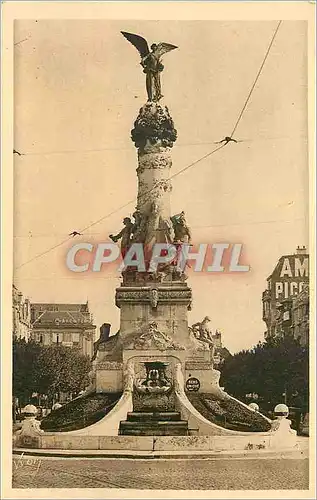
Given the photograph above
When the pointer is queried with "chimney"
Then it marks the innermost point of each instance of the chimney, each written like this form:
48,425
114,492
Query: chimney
301,250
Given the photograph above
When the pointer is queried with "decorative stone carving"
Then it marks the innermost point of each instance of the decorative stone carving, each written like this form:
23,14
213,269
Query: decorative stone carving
171,295
166,229
178,379
202,330
178,274
156,381
198,365
128,376
125,235
30,426
153,124
152,338
151,201
203,334
197,344
110,344
152,158
169,274
144,296
132,296
140,227
152,224
181,229
109,365
154,296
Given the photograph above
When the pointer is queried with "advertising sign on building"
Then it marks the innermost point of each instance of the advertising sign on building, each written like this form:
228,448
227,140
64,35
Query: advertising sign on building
290,276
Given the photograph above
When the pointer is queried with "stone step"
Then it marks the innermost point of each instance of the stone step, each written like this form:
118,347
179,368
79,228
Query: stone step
157,423
153,428
167,416
153,432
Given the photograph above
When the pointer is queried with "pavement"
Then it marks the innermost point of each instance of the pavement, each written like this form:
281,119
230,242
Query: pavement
161,474
293,453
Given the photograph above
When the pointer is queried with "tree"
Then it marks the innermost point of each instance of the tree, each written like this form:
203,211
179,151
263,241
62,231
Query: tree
25,355
61,369
47,370
277,370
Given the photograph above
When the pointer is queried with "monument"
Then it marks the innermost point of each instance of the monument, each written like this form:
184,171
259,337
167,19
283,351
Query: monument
153,304
162,368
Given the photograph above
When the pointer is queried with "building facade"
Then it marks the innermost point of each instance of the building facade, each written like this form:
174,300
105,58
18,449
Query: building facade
286,299
21,315
301,316
66,324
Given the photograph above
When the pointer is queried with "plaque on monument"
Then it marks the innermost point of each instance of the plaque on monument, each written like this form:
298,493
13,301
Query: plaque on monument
192,384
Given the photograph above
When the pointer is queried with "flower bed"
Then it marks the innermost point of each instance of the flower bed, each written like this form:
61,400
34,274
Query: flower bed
80,412
228,413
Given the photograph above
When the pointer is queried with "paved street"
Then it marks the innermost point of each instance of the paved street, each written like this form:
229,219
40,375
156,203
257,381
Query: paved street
198,474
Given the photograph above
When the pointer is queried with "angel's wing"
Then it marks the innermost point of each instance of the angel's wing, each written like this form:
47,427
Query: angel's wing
163,47
139,43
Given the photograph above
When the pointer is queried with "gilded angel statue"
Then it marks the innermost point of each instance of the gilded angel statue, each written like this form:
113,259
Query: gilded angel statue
151,62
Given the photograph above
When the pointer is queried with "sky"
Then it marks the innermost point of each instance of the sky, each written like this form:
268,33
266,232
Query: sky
78,88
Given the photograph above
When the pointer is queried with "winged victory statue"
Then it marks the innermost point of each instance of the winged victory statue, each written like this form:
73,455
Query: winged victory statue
151,62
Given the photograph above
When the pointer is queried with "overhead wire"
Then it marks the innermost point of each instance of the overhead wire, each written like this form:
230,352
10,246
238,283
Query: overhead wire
115,211
177,173
181,145
231,224
21,41
256,78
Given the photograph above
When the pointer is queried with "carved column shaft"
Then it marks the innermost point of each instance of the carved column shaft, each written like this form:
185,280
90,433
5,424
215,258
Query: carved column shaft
154,185
153,136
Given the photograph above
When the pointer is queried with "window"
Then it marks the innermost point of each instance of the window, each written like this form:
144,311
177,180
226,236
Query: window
67,337
55,337
76,337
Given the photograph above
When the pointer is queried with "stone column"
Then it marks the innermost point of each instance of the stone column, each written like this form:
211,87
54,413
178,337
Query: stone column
161,297
153,136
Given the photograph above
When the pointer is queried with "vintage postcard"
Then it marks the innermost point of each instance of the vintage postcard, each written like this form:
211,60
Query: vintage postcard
158,208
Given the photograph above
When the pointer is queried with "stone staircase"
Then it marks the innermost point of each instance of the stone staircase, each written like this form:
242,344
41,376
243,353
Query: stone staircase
166,423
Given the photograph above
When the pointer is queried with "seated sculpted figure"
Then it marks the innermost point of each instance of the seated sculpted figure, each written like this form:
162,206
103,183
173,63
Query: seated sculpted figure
203,333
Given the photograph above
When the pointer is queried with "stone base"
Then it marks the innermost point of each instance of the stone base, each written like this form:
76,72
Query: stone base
261,442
